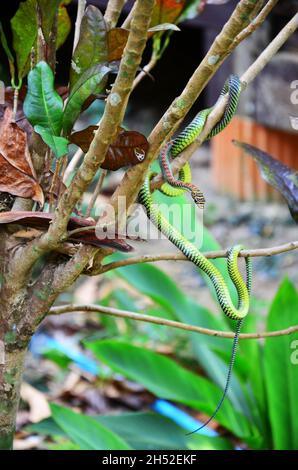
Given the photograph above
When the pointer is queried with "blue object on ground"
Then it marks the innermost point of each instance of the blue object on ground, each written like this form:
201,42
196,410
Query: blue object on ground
181,418
41,343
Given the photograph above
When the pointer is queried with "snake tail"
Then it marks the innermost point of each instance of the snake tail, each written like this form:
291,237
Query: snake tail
228,379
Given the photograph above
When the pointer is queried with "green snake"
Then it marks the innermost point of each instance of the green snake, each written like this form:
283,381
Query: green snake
175,187
187,136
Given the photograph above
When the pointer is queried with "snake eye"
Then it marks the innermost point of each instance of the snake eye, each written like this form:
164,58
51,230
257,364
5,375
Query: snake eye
139,153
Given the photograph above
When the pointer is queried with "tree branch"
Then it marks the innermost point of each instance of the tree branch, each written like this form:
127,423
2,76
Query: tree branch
111,120
219,108
113,12
275,250
220,49
163,321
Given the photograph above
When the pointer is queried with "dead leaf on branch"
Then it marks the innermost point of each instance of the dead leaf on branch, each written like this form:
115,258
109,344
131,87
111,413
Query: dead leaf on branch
17,176
42,220
117,39
129,147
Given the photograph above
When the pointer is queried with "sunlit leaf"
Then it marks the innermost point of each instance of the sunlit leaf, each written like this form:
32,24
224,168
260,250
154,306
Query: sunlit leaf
117,39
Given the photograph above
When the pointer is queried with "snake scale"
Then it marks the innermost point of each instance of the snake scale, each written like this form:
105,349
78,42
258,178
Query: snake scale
184,139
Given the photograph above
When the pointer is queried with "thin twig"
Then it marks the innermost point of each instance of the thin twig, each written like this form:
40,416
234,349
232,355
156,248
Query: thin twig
259,19
103,174
127,21
73,164
80,14
163,321
275,250
146,70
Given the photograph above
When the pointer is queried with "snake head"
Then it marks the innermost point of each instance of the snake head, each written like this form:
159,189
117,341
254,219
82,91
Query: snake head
199,199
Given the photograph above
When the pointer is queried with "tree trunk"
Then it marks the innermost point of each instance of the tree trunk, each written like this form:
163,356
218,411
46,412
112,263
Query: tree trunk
11,369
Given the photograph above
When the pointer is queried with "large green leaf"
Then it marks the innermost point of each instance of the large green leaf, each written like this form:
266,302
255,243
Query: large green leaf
24,29
92,48
281,369
85,431
158,432
168,380
92,81
43,106
157,285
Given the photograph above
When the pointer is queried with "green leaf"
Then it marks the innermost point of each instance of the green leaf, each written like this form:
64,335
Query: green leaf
92,81
58,144
48,11
24,28
43,106
85,431
63,27
168,380
158,432
92,48
281,369
7,52
157,285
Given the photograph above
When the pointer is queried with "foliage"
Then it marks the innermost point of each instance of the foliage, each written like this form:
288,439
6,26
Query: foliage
253,412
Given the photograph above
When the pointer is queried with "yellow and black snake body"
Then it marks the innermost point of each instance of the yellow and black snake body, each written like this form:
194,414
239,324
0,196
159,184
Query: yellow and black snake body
190,133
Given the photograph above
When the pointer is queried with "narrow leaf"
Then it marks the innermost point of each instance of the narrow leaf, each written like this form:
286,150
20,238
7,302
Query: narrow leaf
92,48
164,27
7,52
168,380
280,368
85,431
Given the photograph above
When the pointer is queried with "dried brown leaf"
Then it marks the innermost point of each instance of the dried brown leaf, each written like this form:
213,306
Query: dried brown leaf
129,147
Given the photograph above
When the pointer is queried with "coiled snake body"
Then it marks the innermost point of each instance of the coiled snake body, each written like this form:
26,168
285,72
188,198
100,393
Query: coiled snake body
243,288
